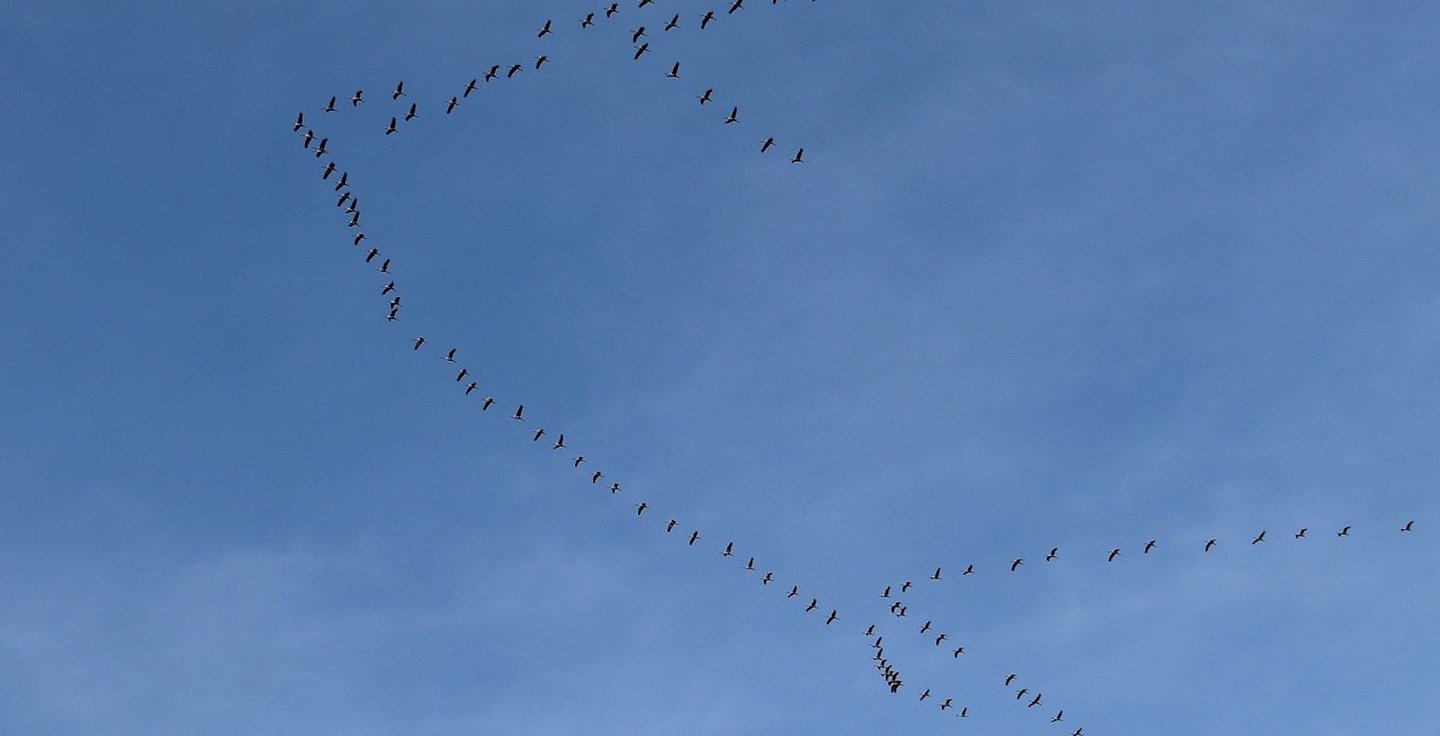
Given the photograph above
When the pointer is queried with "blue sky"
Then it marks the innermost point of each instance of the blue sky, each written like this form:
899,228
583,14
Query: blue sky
1049,276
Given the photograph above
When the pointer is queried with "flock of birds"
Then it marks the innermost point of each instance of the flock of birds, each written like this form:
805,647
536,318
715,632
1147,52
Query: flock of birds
411,112
461,377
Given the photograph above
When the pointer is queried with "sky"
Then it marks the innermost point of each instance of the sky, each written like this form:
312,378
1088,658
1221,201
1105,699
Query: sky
1049,276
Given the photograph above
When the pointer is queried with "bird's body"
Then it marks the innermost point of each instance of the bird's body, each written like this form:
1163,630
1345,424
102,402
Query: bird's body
799,157
1113,554
1258,538
1016,563
519,414
399,90
1343,532
1149,546
734,116
1209,544
485,405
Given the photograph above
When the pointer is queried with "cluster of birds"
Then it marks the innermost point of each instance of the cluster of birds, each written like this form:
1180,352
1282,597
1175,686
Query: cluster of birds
406,114
556,441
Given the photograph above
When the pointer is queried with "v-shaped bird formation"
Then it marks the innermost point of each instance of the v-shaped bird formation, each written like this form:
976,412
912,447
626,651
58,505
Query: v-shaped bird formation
400,113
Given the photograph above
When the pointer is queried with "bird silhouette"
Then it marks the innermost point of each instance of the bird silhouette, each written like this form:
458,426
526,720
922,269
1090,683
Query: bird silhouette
540,61
538,434
330,106
1343,532
766,144
1054,552
595,477
831,618
1258,538
794,591
1034,702
706,18
299,122
419,341
729,550
1113,554
885,593
485,405
1009,679
768,577
1301,534
1016,563
936,576
492,73
588,20
1209,543
357,98
514,69
391,129
945,704
636,34
674,72
813,603
559,442
958,651
673,23
734,116
1149,546
470,388
641,50
469,87
640,508
343,181
613,9
925,627
1409,525
614,488
544,30
735,6
399,90
519,414
799,157
925,694
693,537
450,106
670,527
969,570
579,459
450,356
461,375
705,97
750,564
1058,715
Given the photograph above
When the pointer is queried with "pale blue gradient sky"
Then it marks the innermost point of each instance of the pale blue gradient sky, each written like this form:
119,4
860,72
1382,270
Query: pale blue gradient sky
1049,276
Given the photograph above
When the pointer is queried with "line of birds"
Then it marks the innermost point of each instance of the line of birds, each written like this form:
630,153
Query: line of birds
495,72
1115,552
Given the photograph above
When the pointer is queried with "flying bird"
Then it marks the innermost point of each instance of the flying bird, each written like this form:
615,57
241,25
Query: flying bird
418,342
674,72
450,106
461,375
926,627
794,591
885,593
1149,546
399,90
673,23
750,564
1408,526
1208,544
343,181
1022,692
544,30
514,68
384,265
693,537
704,98
936,576
799,157
641,50
905,586
735,6
470,388
1054,552
388,288
538,434
390,129
1058,715
329,169
485,405
1113,554
946,704
595,477
588,20
925,694
613,9
1301,534
940,638
729,550
411,115
469,88
670,527
831,619
1343,532
768,577
1258,538
320,149
358,98
1016,563
614,488
766,144
706,18
969,570
958,651
1034,702
559,442
371,255
813,604
330,106
299,122
450,356
540,60
640,508
870,630
519,414
1009,679
636,34
734,116
354,220
579,459
309,136
492,73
